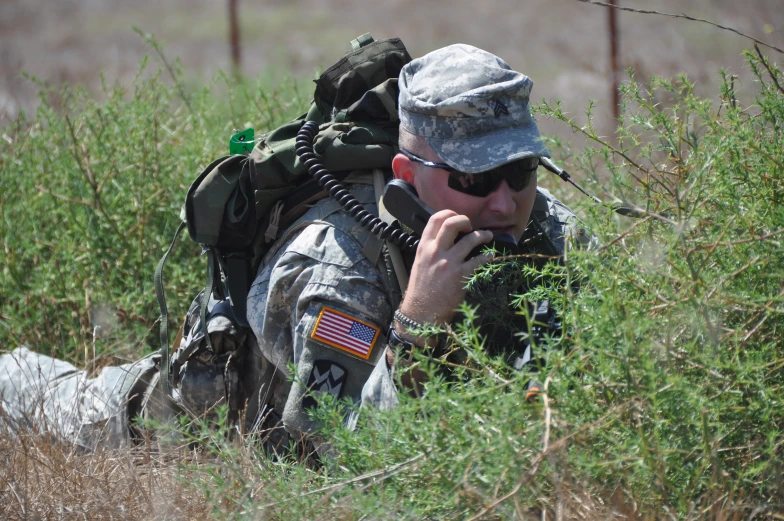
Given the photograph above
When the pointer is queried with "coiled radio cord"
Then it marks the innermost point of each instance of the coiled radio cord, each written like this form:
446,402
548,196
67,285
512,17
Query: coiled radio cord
387,232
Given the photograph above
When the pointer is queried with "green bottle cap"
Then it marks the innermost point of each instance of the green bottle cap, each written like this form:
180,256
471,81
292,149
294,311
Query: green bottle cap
241,142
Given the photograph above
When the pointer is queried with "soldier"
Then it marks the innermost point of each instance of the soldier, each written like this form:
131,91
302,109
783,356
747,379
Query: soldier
470,147
326,300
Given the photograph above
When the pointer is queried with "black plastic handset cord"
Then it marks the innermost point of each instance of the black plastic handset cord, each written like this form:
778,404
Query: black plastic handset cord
304,149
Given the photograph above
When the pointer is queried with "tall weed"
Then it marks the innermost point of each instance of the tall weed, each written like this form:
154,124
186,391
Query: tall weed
90,195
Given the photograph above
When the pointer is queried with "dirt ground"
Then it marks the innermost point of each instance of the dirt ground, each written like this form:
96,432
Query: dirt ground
562,44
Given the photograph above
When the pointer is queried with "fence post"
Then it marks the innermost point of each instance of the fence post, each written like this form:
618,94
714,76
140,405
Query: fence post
234,36
613,25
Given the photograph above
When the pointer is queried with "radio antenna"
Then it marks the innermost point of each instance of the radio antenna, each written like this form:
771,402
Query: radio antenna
620,207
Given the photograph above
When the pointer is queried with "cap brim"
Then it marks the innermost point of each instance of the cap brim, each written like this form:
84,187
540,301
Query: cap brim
476,154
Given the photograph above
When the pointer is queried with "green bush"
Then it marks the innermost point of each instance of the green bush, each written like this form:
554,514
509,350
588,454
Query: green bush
664,398
90,195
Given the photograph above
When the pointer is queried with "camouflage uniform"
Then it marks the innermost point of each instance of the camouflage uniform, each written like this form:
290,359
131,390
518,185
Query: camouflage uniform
53,397
321,264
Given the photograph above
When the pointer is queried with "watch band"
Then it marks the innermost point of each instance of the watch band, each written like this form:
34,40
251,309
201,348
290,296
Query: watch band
396,341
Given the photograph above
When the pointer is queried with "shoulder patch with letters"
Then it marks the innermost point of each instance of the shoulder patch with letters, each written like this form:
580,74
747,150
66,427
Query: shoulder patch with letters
344,332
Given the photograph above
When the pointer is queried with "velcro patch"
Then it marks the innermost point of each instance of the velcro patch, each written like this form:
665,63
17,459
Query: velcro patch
345,332
325,377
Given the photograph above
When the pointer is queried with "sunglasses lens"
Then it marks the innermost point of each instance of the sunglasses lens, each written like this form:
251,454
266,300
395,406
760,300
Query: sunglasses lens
518,175
521,180
479,185
529,163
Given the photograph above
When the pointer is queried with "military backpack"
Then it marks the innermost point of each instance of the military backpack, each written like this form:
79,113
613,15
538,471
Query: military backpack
239,203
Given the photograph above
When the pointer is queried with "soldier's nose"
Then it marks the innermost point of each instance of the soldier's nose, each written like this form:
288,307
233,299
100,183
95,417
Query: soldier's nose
501,200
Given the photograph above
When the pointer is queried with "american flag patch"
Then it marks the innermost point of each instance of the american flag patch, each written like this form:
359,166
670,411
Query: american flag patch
345,333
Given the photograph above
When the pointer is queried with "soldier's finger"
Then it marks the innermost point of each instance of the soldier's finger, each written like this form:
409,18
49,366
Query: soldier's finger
451,227
435,223
466,244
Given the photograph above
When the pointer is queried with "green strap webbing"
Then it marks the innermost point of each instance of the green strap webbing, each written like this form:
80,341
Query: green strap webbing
361,41
205,295
237,280
160,294
235,268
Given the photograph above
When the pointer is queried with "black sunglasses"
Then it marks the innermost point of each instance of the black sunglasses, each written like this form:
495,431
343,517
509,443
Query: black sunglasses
518,175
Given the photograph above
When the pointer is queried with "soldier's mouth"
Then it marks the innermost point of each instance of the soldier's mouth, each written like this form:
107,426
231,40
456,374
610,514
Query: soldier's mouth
501,230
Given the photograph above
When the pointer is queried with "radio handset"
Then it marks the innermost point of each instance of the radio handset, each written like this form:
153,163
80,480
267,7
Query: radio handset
403,202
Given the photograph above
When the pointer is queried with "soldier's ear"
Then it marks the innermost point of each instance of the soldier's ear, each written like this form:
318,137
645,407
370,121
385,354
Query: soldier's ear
403,168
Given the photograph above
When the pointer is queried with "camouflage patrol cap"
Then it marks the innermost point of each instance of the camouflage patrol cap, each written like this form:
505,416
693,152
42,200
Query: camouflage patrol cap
471,108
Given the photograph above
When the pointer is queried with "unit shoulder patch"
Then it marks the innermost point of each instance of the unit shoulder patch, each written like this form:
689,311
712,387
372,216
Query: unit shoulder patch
345,332
325,377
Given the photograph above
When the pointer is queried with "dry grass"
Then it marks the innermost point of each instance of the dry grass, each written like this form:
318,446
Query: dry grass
44,479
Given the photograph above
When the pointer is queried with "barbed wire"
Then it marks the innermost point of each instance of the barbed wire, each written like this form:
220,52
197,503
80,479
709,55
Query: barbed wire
686,17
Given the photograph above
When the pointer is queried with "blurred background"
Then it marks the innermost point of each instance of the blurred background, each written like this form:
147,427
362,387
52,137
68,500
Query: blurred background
564,45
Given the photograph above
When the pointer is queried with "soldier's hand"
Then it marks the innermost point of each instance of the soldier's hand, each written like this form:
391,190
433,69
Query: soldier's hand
437,282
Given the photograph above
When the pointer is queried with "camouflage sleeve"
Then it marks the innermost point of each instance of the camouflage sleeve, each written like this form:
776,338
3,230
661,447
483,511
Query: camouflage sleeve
320,306
46,395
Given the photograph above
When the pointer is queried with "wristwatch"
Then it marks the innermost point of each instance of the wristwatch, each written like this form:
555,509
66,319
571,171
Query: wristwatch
395,341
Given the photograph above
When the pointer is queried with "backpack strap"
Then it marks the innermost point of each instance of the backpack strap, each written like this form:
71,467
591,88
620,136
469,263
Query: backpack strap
286,211
164,332
373,244
208,289
395,255
236,269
